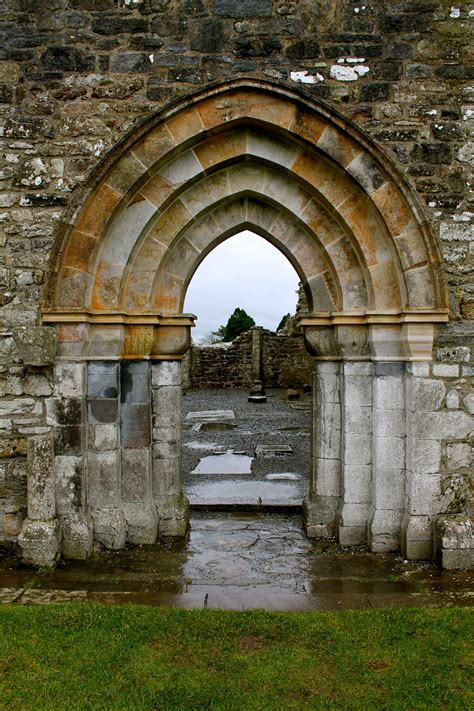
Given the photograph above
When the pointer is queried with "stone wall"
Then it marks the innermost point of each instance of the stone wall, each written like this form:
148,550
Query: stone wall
77,76
285,363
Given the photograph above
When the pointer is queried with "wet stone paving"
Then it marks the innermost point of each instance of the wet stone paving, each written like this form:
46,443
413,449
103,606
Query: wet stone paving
253,554
240,561
243,454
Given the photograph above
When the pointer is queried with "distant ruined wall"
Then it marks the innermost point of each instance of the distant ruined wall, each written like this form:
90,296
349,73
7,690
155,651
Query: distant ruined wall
285,363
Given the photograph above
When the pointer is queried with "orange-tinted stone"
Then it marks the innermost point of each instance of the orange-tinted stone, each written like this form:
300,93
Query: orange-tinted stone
71,288
338,145
323,226
220,148
206,192
126,174
98,210
183,259
152,147
393,208
386,286
308,125
246,104
170,222
137,290
157,190
169,294
328,179
366,228
186,124
80,250
106,286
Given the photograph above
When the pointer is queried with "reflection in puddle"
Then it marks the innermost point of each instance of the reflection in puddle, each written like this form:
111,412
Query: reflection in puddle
245,492
225,463
283,476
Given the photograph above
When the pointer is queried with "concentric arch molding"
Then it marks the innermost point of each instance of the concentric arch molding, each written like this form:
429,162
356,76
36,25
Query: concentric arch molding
251,155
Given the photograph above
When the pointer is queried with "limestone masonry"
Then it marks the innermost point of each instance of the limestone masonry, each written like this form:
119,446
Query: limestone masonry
136,136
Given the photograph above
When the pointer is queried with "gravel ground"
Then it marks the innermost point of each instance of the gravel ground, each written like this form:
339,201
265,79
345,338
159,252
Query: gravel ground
275,422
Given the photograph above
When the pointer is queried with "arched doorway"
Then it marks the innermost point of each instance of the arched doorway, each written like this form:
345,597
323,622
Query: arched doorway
243,155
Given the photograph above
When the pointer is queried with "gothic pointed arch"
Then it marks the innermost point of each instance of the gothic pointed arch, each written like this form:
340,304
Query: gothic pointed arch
244,154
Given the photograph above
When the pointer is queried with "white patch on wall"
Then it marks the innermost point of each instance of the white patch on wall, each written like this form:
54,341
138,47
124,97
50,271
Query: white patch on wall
342,72
455,12
305,78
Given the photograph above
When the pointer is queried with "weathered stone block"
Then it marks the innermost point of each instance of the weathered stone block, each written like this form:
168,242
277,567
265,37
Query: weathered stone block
242,8
446,370
142,522
389,452
441,425
454,542
357,449
166,372
102,379
69,379
327,477
36,345
173,516
357,420
424,493
103,436
69,487
109,527
389,423
135,478
40,543
357,484
77,537
459,455
416,537
103,469
41,500
424,455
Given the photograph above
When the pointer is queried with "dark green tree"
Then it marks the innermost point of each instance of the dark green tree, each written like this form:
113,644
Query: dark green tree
283,321
238,322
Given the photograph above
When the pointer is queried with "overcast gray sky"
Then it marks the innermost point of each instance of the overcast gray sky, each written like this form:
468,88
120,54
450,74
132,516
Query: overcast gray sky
244,271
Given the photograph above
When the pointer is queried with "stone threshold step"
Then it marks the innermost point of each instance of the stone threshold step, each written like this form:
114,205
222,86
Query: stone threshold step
247,507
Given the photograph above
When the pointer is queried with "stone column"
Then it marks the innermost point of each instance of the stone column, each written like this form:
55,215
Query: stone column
103,455
388,456
167,488
356,434
67,412
356,451
257,353
135,430
325,474
425,429
40,537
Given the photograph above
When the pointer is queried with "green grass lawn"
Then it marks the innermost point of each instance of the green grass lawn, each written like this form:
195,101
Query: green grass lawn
85,656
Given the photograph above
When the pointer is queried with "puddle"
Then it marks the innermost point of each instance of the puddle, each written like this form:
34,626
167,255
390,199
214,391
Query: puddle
273,450
202,445
264,493
237,561
226,463
210,415
283,476
212,426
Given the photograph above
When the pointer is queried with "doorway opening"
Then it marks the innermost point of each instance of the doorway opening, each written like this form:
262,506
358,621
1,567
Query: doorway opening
241,450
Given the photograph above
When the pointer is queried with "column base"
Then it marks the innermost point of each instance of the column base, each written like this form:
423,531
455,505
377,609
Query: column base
142,522
454,542
416,540
319,516
384,531
77,537
173,516
40,542
110,528
352,525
